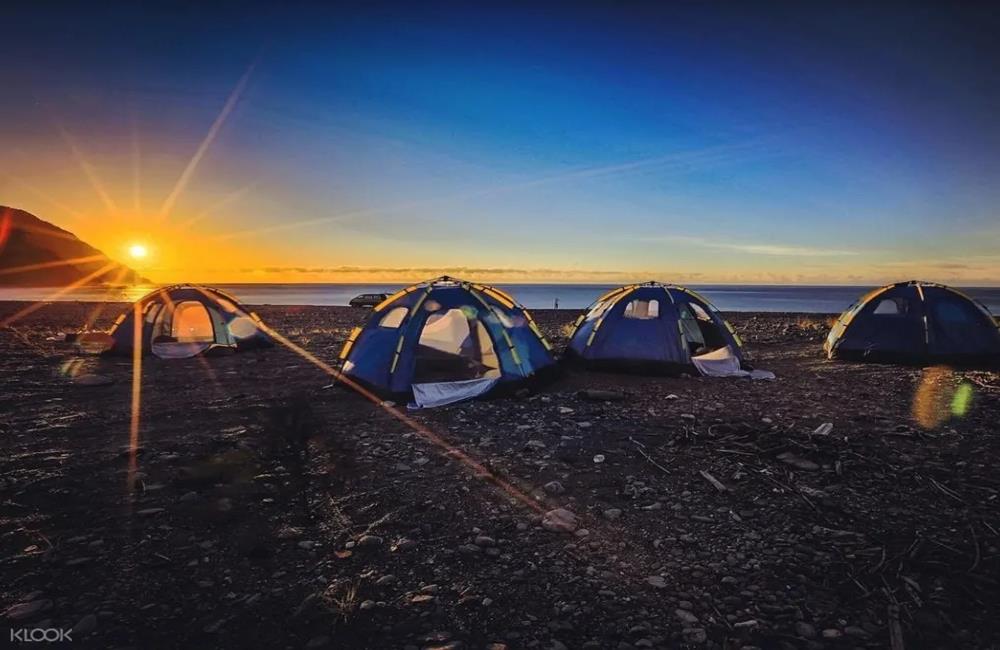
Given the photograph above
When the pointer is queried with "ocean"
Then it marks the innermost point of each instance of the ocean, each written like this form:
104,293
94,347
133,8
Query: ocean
810,299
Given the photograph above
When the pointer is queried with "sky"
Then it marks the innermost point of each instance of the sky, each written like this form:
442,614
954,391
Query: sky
685,142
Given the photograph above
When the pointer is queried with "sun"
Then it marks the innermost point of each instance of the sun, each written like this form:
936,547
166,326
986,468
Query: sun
138,251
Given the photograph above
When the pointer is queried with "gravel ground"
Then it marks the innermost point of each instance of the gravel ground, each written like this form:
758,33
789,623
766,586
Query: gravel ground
838,506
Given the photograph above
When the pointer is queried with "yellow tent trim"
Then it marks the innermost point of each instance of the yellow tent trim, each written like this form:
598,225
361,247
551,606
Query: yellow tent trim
864,301
611,293
979,306
349,343
699,297
533,326
538,333
732,330
503,330
513,350
504,294
625,291
395,357
499,298
577,324
399,294
420,302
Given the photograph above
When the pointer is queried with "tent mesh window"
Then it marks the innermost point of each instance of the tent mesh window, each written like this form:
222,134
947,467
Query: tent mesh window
454,346
897,306
642,309
192,323
952,311
394,317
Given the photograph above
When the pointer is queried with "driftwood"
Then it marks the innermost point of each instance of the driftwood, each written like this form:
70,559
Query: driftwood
979,550
895,629
948,492
714,481
641,448
823,429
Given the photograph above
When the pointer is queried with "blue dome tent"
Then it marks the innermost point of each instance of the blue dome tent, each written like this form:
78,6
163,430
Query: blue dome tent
445,340
183,321
654,327
916,322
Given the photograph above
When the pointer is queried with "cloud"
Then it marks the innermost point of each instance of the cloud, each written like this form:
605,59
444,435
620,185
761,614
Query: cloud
968,270
778,250
430,271
406,274
868,274
967,263
771,249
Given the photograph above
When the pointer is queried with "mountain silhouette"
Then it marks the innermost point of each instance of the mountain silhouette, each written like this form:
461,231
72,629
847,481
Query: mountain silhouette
35,253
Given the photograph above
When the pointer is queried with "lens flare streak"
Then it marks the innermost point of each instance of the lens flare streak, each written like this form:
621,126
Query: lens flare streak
213,131
64,290
96,312
473,466
938,398
211,209
51,265
88,170
76,214
133,438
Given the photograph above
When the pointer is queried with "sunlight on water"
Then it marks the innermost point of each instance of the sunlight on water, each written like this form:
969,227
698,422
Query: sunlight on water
821,300
82,294
136,291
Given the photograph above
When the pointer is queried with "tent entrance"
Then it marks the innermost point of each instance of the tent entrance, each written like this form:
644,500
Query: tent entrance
192,323
455,346
182,330
700,332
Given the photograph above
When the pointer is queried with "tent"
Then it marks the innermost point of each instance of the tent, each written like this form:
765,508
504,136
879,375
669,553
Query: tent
445,340
915,322
186,320
656,327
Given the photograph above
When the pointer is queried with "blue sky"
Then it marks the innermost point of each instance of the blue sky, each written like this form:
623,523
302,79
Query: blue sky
705,142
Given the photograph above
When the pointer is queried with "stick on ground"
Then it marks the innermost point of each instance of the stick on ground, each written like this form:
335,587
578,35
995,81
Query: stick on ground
639,446
714,481
895,629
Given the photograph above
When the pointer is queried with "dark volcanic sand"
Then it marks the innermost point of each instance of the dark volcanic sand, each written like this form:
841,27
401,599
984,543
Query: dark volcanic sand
255,476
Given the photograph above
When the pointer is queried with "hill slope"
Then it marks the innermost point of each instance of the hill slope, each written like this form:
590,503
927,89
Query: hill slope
35,253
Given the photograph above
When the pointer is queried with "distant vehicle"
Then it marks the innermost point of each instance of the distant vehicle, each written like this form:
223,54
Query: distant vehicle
367,299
